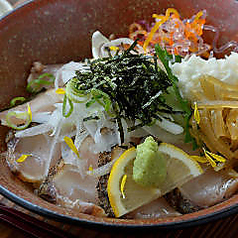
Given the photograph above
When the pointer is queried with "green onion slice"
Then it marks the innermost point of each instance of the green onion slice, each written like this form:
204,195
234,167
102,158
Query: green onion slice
36,84
26,118
17,100
74,94
66,99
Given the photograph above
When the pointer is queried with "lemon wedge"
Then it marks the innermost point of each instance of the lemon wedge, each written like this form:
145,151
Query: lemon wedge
126,195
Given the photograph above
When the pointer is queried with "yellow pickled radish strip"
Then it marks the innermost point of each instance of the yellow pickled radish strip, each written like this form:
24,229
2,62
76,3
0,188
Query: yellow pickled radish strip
29,111
170,11
198,15
114,48
198,22
154,29
157,16
22,158
162,19
71,145
216,157
196,114
213,158
123,182
210,160
90,168
199,159
60,91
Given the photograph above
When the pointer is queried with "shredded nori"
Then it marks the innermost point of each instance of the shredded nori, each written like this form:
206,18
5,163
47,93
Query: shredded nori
128,85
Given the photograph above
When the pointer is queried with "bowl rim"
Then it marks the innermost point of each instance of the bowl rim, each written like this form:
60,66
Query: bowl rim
87,223
15,8
202,219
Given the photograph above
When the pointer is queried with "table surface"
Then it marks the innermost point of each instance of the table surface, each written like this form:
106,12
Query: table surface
227,227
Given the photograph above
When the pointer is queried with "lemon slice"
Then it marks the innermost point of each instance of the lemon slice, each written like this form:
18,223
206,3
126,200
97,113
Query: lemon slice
126,195
133,195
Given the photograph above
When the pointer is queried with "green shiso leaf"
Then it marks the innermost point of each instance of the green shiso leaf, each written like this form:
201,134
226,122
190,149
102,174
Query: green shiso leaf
165,58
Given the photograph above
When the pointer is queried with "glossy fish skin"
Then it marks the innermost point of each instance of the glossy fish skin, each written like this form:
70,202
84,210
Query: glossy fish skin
205,190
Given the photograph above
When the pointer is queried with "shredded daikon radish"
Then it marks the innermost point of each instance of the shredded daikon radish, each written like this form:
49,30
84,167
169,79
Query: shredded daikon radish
169,126
190,70
103,170
67,71
35,130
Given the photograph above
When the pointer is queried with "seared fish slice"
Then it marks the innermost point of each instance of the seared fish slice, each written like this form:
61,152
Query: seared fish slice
68,186
206,190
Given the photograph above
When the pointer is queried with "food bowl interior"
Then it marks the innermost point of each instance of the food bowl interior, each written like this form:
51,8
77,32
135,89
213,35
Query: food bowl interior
58,31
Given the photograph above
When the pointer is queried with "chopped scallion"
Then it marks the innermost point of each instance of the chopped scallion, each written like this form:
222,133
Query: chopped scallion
17,100
24,119
71,107
35,85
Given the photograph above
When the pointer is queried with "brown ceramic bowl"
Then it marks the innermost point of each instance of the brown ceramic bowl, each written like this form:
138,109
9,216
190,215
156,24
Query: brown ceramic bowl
56,31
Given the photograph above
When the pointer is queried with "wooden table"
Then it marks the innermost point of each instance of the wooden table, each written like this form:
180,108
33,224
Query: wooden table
227,227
